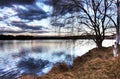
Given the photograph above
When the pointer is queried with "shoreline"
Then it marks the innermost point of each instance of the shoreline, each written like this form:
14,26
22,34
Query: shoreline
95,64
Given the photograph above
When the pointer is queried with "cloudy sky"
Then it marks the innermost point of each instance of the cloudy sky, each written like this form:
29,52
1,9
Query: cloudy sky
20,16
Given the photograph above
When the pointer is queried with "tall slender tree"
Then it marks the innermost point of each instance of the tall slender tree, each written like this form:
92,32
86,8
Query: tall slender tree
117,25
115,11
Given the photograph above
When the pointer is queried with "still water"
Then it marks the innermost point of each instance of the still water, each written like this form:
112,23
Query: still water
37,57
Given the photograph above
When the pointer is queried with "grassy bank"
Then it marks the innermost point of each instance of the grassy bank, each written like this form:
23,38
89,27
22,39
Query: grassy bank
96,64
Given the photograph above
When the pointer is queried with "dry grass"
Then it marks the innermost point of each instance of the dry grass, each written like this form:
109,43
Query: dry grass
27,77
96,64
114,71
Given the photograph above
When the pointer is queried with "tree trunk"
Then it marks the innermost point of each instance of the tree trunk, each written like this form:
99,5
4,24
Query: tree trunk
99,43
115,46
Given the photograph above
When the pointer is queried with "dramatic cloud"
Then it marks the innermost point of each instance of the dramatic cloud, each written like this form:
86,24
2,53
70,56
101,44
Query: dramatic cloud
10,2
20,14
31,12
48,2
26,27
62,7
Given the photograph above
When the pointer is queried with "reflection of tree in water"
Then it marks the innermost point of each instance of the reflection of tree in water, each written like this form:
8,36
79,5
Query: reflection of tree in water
1,45
5,44
59,53
39,49
71,45
23,52
69,60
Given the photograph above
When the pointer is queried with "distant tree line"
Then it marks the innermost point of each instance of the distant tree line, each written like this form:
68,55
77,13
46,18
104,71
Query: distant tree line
26,37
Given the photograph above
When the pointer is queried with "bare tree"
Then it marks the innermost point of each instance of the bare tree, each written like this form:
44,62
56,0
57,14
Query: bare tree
117,26
90,13
115,18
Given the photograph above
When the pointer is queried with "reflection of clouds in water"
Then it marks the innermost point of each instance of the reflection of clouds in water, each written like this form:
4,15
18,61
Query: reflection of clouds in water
35,66
30,52
32,66
3,62
23,52
54,57
26,66
38,49
32,55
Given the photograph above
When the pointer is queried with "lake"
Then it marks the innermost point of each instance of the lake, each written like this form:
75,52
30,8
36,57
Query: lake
37,57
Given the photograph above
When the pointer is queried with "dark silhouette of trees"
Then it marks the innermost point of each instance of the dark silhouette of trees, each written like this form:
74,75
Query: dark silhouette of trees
90,13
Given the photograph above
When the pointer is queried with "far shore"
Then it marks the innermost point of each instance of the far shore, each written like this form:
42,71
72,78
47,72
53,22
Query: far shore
25,37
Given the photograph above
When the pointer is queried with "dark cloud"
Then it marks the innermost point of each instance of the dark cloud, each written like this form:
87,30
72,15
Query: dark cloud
25,10
18,32
62,7
48,2
24,1
2,31
31,11
9,2
32,14
28,11
25,26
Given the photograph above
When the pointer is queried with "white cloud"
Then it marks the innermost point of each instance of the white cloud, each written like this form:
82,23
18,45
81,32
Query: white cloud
2,24
9,14
14,18
1,16
7,11
43,22
45,7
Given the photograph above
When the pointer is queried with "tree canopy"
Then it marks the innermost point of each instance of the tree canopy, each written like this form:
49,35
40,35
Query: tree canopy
93,14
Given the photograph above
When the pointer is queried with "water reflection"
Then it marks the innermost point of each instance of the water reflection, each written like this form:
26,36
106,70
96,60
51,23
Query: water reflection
23,52
32,57
37,57
32,66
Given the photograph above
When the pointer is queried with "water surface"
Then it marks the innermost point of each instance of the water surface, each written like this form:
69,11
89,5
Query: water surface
20,57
